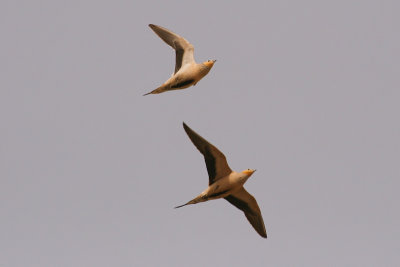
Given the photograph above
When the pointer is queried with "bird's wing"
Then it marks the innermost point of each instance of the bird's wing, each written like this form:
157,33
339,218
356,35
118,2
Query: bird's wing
183,49
248,204
216,163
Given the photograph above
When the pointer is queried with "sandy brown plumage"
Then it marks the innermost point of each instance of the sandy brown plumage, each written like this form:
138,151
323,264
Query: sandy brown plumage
225,183
187,71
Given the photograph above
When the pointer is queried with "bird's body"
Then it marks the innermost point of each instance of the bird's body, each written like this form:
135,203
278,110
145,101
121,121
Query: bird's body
225,183
221,188
187,71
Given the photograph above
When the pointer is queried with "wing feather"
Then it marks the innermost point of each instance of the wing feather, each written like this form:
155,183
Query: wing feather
184,51
217,166
248,204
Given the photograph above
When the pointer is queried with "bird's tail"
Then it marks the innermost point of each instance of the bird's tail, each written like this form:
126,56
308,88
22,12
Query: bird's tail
193,201
156,91
180,206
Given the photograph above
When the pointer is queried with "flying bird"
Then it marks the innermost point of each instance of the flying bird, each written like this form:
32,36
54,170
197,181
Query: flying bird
187,71
225,183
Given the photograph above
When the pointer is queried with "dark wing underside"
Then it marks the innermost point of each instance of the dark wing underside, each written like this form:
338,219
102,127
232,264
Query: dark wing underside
182,84
248,204
217,166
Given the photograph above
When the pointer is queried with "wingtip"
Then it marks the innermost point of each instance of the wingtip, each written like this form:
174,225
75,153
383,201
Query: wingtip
264,236
185,127
153,26
262,233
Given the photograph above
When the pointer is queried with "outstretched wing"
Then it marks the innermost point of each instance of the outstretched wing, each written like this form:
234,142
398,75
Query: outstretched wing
183,49
248,204
216,163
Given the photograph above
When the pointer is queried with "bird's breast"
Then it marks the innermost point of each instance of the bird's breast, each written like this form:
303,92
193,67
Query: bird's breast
223,187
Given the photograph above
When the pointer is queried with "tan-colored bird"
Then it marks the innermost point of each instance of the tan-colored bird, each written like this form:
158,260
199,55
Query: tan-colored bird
225,183
187,71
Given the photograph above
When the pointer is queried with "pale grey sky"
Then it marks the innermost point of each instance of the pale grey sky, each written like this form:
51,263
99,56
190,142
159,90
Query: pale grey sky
306,92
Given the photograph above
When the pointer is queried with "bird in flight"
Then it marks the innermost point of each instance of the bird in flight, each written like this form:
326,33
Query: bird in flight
187,71
225,183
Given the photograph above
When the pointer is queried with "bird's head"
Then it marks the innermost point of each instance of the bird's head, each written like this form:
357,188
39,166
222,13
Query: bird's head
248,172
209,63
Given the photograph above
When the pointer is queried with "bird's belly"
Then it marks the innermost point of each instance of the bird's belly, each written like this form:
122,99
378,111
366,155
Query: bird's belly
183,84
185,77
218,194
220,189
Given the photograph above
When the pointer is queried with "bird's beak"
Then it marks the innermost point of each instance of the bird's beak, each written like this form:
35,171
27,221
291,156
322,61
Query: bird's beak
209,63
249,172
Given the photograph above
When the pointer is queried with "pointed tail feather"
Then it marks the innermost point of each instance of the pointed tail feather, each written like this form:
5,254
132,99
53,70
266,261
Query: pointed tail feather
180,206
193,201
156,91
